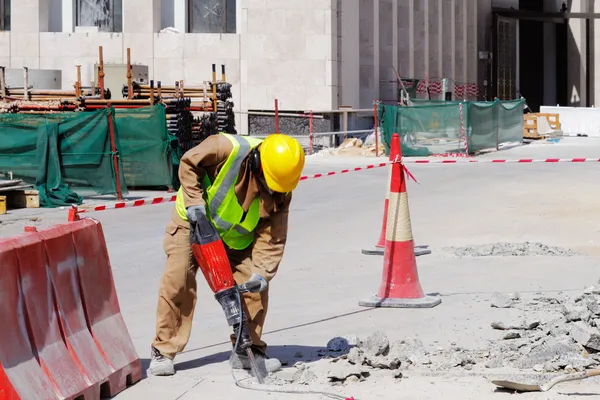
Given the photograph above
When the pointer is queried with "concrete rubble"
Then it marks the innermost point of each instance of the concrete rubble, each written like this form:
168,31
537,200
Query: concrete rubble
552,334
354,147
509,250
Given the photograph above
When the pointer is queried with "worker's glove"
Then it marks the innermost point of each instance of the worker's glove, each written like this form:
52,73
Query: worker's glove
192,213
256,284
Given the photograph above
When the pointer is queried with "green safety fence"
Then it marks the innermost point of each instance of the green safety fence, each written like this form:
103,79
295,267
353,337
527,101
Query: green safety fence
147,150
60,153
430,127
71,152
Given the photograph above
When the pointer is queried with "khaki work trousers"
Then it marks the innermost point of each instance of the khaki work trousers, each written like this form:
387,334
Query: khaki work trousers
177,293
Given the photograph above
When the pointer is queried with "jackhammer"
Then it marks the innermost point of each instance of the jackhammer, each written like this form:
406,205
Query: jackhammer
209,252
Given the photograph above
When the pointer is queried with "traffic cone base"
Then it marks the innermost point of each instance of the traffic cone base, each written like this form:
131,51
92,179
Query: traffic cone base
421,250
422,302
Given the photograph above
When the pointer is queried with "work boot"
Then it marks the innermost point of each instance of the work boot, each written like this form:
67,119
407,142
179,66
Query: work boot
241,361
160,365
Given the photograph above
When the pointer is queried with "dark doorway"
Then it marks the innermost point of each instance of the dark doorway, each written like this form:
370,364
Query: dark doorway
542,46
531,56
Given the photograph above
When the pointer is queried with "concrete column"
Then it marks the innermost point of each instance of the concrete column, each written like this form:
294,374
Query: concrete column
141,16
68,16
395,35
577,58
411,38
453,35
350,53
440,38
180,13
376,74
471,41
25,33
427,74
595,37
465,40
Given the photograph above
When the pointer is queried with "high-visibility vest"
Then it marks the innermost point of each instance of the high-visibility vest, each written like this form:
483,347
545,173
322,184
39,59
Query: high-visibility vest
221,203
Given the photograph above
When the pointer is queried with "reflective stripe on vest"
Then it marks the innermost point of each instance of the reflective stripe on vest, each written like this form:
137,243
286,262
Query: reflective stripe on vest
222,206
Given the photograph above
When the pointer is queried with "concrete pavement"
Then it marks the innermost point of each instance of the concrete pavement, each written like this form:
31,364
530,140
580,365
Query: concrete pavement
323,276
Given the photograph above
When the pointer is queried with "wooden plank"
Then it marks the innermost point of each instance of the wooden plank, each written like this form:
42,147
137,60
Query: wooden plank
22,199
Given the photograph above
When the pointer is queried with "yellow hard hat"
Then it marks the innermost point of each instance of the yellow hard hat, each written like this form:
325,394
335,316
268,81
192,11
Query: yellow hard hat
282,161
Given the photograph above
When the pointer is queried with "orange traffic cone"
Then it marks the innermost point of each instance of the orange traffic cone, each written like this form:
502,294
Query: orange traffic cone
400,286
379,249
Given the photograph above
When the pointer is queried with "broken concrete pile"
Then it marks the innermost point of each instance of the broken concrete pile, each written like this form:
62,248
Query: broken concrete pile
550,334
562,333
350,360
510,250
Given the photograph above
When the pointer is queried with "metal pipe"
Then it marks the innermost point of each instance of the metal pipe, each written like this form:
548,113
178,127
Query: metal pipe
3,81
276,116
78,83
310,131
214,86
123,101
323,134
113,146
376,128
129,76
101,72
25,82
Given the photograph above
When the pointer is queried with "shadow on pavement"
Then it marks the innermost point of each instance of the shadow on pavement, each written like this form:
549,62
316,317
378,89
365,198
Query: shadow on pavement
288,355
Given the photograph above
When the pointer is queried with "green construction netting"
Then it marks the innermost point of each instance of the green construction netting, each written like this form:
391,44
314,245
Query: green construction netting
430,127
70,152
60,153
146,151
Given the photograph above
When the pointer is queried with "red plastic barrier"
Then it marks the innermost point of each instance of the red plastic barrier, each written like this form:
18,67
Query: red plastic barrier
46,338
21,377
54,342
102,306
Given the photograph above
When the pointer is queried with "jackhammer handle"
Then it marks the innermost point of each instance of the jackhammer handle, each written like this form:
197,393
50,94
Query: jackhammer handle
250,286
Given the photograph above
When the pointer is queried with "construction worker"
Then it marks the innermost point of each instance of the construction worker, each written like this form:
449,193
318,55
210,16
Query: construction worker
258,177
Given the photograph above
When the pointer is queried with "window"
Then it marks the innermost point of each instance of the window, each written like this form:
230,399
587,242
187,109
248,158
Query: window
212,16
107,15
4,15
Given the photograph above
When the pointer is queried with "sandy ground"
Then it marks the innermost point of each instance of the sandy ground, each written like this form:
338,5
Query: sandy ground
323,276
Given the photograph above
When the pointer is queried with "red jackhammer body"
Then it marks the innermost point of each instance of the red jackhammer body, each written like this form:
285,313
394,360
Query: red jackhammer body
209,252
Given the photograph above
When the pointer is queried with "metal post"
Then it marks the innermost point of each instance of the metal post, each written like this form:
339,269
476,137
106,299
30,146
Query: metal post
129,76
78,83
345,123
25,83
101,72
214,87
113,147
376,128
310,131
497,106
276,116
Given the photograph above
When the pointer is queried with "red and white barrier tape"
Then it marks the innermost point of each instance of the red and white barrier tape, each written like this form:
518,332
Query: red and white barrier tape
344,171
491,161
172,198
132,203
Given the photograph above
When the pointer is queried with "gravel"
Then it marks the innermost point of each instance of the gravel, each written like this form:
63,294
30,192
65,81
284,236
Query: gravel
510,250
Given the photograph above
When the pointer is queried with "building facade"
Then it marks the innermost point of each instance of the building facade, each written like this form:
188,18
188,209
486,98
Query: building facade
309,54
